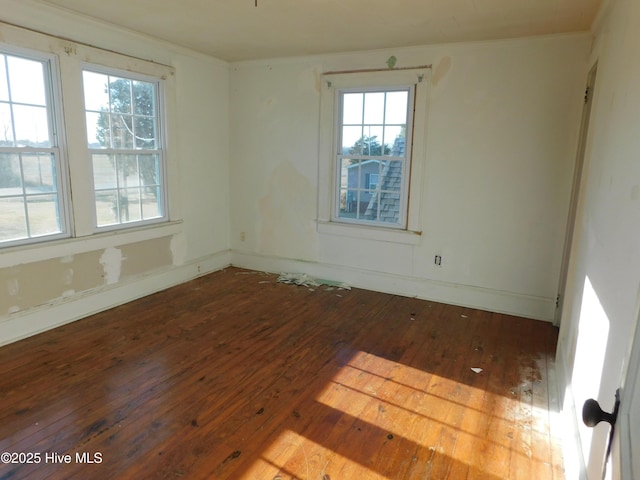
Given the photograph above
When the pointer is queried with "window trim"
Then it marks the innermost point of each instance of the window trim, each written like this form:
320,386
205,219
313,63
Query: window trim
159,91
331,83
57,131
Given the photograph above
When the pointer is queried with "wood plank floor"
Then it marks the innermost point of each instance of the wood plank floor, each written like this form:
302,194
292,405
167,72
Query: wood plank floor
236,376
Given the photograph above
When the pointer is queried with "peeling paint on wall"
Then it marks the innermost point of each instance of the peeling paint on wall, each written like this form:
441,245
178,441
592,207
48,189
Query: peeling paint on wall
178,248
43,282
111,261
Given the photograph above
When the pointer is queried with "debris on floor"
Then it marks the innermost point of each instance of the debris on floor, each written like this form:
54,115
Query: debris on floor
476,369
304,280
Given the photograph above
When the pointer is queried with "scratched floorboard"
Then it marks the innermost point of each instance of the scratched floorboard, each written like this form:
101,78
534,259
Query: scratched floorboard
236,376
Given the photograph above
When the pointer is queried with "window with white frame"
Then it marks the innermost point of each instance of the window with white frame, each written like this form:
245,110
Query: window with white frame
125,147
371,159
115,167
372,153
32,193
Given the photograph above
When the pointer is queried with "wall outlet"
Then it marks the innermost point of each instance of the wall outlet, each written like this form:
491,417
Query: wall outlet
438,260
243,236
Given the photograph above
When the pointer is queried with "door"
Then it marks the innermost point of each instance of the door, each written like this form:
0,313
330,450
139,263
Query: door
575,192
625,460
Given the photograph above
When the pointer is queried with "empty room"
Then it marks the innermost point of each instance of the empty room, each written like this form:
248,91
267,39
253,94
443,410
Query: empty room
269,239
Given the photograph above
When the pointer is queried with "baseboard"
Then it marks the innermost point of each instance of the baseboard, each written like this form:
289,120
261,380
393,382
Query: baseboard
529,306
26,323
23,324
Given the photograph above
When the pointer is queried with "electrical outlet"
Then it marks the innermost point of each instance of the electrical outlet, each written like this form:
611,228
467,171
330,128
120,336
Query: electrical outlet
243,236
438,260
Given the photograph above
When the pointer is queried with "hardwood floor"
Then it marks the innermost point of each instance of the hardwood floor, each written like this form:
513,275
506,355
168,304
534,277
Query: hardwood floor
236,376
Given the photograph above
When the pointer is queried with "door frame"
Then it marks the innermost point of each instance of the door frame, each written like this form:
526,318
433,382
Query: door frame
575,193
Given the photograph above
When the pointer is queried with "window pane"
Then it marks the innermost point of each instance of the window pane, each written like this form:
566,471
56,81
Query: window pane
6,126
145,132
128,171
348,203
10,176
107,208
396,107
374,108
38,173
31,126
121,131
130,209
151,202
26,81
104,172
389,207
394,140
96,91
370,210
120,95
372,140
144,98
13,219
352,108
149,166
350,138
43,215
98,130
4,86
391,177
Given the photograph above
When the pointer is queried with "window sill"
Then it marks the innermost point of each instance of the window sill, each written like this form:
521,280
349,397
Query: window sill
35,252
364,232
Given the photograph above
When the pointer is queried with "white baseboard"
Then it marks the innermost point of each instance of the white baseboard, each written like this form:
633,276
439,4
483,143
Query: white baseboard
23,324
20,325
529,306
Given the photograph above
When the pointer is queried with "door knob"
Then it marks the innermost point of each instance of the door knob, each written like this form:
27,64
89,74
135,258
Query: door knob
592,414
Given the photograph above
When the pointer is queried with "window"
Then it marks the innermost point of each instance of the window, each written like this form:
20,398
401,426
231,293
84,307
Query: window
81,120
371,157
32,203
372,153
125,147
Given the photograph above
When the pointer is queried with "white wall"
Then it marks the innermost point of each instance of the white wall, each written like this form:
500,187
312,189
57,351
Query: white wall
49,284
602,298
503,120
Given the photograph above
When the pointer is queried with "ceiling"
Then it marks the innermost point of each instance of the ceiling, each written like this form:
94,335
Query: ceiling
235,30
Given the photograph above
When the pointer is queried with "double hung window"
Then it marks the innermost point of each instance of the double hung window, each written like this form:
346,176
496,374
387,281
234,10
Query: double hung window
372,160
125,147
372,153
32,193
116,171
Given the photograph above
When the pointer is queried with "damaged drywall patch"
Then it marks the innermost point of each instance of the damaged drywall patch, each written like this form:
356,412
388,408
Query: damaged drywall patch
67,276
178,248
111,261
